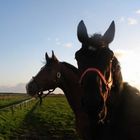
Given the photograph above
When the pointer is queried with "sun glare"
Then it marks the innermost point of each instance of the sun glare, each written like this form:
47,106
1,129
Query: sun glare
129,61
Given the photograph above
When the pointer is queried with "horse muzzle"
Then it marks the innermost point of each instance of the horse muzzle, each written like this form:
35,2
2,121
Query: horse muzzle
32,88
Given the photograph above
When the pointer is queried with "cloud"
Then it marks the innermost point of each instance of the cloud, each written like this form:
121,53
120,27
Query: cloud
120,53
19,88
56,39
129,60
138,11
132,21
68,45
58,43
129,20
122,19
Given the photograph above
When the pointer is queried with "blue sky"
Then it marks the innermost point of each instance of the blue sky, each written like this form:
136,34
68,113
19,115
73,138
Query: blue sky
29,28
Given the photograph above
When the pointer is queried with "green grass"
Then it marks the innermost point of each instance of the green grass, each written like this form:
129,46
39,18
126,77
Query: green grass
53,120
9,99
11,120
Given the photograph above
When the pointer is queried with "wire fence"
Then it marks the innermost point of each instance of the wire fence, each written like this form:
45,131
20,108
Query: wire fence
17,105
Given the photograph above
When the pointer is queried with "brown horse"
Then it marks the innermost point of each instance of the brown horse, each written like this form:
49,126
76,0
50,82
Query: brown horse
106,99
65,76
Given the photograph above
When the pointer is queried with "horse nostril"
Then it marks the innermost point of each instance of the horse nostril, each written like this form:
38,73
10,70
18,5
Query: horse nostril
31,88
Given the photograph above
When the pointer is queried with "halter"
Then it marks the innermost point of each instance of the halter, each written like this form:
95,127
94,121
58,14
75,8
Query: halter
40,94
108,85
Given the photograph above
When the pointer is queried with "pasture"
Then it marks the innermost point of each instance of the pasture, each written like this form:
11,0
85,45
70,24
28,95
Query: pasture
52,120
7,99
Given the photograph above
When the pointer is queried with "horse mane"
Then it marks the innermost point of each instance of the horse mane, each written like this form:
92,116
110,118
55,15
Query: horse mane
128,89
117,76
73,68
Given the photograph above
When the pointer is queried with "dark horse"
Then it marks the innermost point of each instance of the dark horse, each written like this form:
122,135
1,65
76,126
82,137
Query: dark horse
112,106
65,76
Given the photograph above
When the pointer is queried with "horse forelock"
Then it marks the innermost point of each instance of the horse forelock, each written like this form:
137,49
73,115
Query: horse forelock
96,40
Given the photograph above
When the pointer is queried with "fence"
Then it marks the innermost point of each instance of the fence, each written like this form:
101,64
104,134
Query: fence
17,105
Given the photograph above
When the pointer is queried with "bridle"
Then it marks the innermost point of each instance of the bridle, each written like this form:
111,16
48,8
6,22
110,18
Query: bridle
40,94
108,85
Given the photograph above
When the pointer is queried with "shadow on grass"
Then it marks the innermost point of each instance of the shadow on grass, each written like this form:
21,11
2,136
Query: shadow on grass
31,128
35,128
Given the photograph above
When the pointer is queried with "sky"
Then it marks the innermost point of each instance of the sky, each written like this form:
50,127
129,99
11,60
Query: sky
29,28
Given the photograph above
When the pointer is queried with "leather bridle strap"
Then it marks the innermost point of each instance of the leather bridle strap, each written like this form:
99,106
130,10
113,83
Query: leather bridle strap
108,85
41,94
95,70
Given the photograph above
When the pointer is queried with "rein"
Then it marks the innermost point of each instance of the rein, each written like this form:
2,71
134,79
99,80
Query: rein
42,95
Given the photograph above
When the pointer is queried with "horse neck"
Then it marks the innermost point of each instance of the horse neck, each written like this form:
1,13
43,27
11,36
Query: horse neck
70,86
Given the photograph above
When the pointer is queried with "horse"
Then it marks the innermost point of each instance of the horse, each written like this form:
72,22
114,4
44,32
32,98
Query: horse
65,76
106,98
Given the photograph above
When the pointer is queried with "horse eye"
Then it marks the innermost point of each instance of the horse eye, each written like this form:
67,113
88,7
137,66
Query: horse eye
92,48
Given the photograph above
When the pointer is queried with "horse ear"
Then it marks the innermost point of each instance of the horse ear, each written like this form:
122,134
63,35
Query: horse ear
110,33
82,32
46,56
54,57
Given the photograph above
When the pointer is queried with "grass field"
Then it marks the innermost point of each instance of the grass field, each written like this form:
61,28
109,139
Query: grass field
7,99
53,120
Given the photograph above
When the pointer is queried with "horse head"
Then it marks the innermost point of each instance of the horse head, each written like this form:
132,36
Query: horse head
47,78
92,44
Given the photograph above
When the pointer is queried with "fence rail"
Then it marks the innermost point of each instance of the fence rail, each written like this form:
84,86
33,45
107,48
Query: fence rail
15,105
